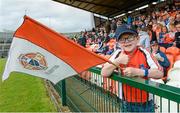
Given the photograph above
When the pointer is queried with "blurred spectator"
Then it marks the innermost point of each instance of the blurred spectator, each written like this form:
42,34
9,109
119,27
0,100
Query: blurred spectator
170,23
151,33
134,26
82,39
107,27
169,37
119,23
166,18
155,25
177,35
113,24
111,35
153,15
129,20
162,35
144,39
106,38
160,56
161,21
177,18
146,21
157,30
103,48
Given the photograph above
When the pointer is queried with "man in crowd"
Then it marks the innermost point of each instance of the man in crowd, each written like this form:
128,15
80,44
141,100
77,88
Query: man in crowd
144,40
177,35
133,61
160,56
82,39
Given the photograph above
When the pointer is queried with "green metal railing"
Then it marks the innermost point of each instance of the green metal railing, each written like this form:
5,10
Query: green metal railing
91,92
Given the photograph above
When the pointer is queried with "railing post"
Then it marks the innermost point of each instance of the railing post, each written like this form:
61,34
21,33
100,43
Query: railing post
63,92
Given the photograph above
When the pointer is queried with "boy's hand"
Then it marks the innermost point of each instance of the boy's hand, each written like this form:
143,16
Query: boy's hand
132,72
122,59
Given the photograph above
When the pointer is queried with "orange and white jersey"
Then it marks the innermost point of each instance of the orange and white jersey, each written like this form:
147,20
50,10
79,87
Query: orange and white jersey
137,58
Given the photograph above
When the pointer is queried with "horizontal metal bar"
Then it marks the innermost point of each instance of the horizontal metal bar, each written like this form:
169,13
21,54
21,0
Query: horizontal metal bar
169,92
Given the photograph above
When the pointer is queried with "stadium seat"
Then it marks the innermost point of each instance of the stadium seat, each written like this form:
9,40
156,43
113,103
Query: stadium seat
173,51
162,49
177,57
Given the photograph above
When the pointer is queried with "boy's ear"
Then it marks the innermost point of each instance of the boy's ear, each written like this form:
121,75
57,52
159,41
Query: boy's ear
137,37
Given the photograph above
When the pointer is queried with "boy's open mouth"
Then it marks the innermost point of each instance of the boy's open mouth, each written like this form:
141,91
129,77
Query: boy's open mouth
127,45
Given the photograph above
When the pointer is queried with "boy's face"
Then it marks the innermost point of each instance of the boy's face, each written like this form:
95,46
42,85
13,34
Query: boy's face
154,47
128,42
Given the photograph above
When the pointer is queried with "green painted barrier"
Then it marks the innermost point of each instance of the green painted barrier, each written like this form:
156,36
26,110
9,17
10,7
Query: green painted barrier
91,92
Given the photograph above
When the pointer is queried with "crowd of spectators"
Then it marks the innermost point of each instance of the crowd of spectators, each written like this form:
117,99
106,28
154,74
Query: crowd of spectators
161,27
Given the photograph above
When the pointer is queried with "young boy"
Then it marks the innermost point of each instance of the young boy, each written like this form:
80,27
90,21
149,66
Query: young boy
133,61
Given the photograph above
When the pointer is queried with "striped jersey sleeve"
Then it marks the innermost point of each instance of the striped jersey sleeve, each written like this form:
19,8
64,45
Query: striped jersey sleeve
151,60
115,55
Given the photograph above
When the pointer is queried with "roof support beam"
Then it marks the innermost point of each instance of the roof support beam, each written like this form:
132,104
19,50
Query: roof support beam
98,4
125,8
108,8
87,5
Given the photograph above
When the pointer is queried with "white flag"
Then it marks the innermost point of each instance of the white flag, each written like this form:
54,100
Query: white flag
40,51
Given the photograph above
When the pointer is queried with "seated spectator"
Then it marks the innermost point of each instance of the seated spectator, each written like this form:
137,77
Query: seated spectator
170,22
106,38
177,18
166,18
144,40
151,33
134,26
111,35
113,24
110,51
160,56
107,27
94,36
162,34
161,21
153,15
177,35
88,41
119,23
158,30
169,37
82,39
102,49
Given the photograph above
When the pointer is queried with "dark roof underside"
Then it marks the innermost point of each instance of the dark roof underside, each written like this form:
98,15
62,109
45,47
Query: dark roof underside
108,8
